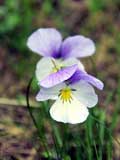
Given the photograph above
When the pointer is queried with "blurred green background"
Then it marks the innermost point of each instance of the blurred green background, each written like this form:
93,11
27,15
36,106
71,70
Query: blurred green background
97,19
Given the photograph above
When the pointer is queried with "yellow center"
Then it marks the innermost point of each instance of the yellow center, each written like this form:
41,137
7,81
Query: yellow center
66,94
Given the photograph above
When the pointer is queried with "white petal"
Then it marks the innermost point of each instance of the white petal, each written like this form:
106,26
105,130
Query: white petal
49,93
43,68
69,112
72,61
85,93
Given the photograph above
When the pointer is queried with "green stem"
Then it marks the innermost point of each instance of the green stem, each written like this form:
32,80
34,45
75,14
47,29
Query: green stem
53,135
107,129
96,150
33,119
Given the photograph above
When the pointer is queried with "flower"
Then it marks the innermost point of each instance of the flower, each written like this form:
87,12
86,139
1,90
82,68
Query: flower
72,98
59,62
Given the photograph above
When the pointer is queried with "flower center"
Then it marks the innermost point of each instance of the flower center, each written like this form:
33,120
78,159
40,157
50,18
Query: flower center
66,94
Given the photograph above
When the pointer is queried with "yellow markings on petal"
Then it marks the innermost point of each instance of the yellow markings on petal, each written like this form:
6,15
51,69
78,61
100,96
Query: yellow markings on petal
66,95
56,66
54,70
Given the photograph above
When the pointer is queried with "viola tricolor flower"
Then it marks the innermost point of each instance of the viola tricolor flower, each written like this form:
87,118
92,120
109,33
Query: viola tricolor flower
59,62
72,101
62,76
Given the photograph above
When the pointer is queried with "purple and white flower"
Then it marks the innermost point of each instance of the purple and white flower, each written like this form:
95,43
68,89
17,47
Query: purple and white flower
59,62
62,76
73,98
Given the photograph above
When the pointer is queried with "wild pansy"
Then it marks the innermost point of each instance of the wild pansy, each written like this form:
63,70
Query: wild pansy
59,62
73,97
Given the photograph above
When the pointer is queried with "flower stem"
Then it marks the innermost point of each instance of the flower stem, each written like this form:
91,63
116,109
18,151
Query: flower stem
107,129
33,119
58,156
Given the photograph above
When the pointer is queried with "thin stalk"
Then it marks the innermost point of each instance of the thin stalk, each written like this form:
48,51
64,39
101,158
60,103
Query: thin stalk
56,145
33,119
96,150
88,143
53,135
107,129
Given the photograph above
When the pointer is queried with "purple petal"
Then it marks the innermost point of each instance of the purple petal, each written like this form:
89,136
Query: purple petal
58,77
81,75
77,46
45,42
